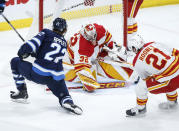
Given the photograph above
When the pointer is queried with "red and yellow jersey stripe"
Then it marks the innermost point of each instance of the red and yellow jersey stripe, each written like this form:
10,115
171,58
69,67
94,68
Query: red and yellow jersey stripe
108,37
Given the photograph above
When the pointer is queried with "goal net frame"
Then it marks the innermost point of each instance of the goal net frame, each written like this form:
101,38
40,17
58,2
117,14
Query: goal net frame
124,9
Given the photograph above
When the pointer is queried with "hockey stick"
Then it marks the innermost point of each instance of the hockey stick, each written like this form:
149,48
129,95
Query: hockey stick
12,27
108,85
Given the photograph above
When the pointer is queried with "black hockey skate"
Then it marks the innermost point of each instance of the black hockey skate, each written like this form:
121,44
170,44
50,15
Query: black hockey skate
136,112
19,96
72,108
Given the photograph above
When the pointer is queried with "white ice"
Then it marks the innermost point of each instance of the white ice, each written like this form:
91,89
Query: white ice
104,110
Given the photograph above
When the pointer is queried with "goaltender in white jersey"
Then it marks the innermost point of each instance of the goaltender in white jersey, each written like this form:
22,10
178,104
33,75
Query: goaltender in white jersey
88,56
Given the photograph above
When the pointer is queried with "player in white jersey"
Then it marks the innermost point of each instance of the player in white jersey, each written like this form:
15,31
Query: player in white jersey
158,67
87,57
133,8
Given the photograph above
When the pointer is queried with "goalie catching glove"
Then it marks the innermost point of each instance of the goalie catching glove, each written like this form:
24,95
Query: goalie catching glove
116,52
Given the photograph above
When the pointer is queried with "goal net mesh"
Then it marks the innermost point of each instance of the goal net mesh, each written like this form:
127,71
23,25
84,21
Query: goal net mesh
108,13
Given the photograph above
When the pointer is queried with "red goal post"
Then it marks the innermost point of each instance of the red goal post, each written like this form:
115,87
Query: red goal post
84,9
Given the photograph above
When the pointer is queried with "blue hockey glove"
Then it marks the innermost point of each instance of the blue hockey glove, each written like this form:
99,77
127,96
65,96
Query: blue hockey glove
24,51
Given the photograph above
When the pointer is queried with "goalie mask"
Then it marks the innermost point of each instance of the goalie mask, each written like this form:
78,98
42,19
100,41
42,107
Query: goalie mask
135,44
89,32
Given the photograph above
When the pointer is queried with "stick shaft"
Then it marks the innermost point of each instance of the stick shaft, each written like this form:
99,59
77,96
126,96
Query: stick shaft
12,27
121,84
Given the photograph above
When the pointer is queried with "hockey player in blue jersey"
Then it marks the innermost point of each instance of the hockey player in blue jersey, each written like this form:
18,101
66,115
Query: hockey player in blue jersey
48,47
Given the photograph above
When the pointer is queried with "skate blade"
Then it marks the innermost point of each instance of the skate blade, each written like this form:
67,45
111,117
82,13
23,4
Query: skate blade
76,110
137,116
167,108
23,101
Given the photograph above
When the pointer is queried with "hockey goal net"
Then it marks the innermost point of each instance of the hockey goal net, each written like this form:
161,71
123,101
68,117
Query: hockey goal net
112,14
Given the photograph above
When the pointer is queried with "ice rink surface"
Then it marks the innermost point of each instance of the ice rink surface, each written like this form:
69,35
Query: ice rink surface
104,110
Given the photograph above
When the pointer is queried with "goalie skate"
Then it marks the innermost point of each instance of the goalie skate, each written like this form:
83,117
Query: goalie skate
136,112
19,97
72,108
168,105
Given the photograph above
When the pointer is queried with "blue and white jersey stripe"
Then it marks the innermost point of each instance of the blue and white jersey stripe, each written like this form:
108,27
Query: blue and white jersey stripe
38,42
34,43
57,75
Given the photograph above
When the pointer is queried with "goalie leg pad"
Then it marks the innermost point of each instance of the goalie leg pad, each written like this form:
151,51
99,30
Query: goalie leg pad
88,80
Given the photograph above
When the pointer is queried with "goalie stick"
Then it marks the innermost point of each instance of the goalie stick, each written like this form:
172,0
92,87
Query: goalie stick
107,85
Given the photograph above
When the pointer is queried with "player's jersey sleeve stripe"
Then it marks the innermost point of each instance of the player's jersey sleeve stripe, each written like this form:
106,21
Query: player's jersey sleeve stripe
31,44
108,37
35,44
38,42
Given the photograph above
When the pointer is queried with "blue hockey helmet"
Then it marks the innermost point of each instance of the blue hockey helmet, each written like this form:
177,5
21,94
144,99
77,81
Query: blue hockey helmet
59,24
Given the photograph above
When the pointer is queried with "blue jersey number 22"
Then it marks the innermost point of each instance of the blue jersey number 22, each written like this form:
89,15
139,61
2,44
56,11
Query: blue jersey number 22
57,49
